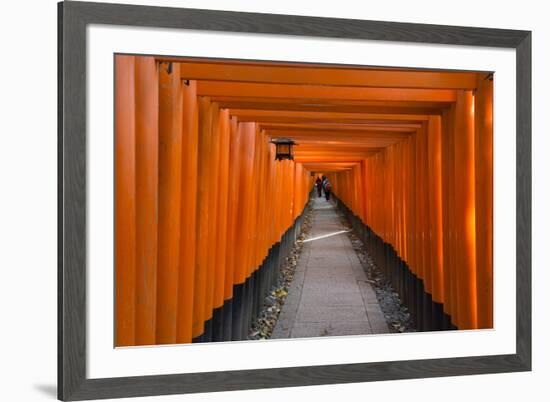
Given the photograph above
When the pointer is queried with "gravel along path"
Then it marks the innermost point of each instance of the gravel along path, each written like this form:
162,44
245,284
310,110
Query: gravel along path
263,327
397,315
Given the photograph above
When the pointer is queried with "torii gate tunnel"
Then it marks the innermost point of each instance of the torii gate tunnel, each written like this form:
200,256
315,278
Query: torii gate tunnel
204,214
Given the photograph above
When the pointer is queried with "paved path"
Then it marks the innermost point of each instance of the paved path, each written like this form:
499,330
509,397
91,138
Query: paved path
330,294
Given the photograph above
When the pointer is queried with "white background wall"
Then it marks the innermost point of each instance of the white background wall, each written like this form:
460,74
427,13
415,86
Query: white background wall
28,199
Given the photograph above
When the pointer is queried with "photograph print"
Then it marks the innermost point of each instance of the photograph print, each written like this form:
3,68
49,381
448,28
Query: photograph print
262,200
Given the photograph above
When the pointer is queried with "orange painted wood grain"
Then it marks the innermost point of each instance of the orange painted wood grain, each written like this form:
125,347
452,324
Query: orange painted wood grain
484,201
188,214
232,207
213,218
169,199
125,201
222,190
465,210
435,207
202,222
146,95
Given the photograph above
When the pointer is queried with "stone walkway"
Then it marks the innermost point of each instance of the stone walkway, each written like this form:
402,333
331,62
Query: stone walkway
330,294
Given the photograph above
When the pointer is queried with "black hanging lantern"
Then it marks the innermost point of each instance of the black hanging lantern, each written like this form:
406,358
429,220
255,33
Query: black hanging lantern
283,148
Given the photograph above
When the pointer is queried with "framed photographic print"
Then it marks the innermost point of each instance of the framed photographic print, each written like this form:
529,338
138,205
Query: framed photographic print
258,201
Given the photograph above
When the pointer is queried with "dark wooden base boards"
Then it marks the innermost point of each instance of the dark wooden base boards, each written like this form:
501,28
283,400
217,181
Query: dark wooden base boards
232,321
426,313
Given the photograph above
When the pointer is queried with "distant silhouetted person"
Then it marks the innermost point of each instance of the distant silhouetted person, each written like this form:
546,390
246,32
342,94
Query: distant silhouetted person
328,188
319,186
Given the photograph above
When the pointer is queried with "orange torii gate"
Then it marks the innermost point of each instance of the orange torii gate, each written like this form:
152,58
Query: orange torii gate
204,213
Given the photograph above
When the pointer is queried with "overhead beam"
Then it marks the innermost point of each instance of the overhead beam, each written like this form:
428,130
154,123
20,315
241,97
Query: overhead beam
333,164
320,102
325,159
333,151
327,76
335,139
336,166
306,145
363,122
325,169
333,127
325,115
349,148
246,89
336,134
329,142
376,143
331,156
331,107
309,165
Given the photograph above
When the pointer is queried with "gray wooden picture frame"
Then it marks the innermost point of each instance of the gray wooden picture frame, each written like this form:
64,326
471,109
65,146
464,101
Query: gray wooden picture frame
73,17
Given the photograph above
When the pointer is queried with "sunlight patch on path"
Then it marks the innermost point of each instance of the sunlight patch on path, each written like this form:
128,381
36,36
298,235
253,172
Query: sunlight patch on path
325,236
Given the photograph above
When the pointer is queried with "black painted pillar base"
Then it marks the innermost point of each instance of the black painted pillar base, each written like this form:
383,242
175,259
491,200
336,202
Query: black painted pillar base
208,330
206,335
256,302
227,319
418,305
426,313
237,312
217,324
438,316
199,339
233,320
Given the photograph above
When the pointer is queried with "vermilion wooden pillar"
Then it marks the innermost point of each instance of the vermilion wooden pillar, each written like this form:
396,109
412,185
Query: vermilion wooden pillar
146,93
298,179
202,222
411,202
246,160
273,189
169,193
399,196
419,210
213,197
125,200
484,200
427,192
253,228
188,214
233,207
223,190
464,146
435,207
277,174
445,200
454,250
262,243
